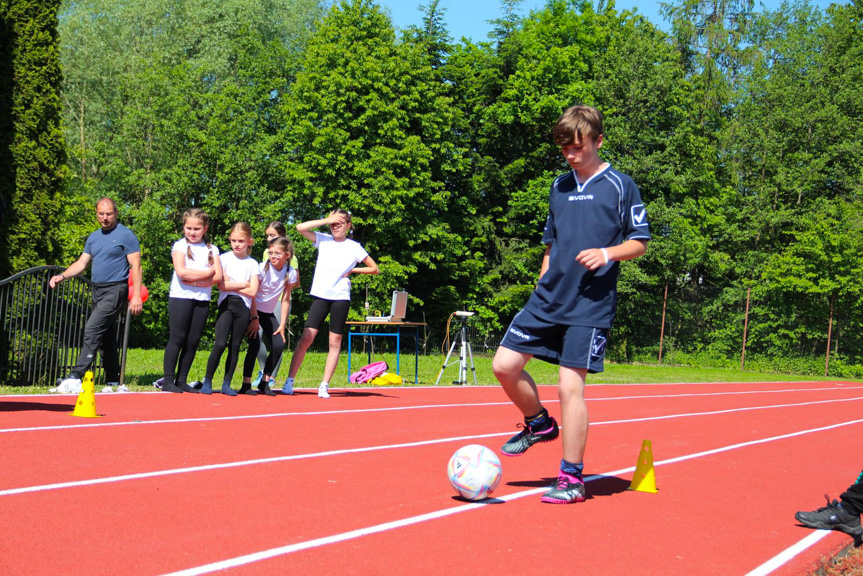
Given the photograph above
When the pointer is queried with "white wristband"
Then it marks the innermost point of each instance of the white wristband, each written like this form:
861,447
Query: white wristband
605,255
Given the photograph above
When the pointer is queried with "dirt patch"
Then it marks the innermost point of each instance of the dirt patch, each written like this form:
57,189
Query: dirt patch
848,562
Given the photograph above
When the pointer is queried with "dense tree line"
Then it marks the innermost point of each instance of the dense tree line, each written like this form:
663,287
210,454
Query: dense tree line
742,129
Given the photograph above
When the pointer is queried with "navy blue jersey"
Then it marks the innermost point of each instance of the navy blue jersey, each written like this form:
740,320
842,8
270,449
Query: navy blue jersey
604,211
108,250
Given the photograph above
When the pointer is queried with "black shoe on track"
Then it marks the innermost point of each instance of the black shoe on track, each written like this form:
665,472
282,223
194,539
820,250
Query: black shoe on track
518,444
833,517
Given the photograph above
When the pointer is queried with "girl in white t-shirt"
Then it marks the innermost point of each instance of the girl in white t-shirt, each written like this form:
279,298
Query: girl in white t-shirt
273,230
236,291
270,312
331,290
196,269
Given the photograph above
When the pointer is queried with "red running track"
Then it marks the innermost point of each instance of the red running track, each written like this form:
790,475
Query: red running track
356,484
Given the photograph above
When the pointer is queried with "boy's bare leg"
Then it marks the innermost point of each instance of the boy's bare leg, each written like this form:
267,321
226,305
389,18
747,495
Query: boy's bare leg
573,412
508,366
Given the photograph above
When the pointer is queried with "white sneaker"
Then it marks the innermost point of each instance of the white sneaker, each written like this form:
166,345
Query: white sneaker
323,390
68,386
114,387
288,388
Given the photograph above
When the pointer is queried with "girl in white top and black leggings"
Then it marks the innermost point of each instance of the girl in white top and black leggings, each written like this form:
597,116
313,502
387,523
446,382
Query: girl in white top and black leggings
277,277
331,290
239,285
196,269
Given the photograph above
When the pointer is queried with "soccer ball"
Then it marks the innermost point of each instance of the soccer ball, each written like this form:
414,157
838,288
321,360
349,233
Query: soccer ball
474,471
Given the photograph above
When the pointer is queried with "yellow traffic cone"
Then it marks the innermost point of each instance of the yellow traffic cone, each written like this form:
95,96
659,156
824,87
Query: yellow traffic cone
644,479
86,406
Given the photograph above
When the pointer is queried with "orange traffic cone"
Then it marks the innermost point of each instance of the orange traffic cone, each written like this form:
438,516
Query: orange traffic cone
86,406
644,479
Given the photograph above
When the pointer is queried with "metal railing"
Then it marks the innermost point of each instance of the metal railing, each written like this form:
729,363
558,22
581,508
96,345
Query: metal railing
42,329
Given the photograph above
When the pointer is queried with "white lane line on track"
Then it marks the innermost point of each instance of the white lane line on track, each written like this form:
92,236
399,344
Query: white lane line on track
790,553
209,467
838,383
399,408
353,534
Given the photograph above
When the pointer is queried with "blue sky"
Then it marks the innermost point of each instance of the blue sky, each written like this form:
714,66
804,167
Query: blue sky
469,17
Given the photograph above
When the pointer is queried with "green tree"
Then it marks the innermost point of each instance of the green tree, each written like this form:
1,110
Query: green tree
171,104
433,34
817,276
369,127
795,148
31,136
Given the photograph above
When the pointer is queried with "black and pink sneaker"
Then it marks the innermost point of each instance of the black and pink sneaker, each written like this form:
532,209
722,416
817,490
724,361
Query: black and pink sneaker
565,490
518,444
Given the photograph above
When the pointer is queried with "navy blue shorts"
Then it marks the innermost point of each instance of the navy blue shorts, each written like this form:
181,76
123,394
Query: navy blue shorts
570,346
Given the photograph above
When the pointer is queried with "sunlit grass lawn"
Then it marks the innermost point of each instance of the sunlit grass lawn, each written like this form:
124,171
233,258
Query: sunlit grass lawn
143,367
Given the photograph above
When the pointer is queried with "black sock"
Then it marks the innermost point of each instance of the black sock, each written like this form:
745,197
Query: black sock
572,468
537,420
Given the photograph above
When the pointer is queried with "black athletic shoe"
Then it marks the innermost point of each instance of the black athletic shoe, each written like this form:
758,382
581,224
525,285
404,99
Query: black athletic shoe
833,517
518,444
166,387
186,388
264,389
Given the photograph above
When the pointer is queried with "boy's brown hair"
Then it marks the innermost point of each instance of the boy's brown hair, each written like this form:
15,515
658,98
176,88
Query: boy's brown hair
577,122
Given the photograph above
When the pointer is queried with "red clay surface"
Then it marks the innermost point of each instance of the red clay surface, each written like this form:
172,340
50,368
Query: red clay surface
356,484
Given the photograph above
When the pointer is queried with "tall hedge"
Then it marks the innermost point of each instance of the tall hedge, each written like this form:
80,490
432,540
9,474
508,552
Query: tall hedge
32,150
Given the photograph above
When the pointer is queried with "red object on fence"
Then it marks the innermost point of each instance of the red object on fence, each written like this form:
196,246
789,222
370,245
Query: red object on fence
144,292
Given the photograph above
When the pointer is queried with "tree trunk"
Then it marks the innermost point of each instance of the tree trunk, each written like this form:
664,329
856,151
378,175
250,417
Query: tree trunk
745,328
829,334
662,328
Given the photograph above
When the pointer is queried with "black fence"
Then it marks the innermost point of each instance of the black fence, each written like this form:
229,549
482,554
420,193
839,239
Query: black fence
43,328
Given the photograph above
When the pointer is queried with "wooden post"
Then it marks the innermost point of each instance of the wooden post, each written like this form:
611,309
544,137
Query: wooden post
662,329
745,328
829,334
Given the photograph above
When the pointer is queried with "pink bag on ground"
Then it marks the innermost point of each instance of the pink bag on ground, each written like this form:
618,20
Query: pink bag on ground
366,373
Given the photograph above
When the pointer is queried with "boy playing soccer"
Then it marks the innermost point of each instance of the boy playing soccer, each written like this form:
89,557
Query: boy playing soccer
595,219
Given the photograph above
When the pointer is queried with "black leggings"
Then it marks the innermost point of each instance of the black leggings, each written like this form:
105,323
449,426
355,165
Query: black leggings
186,318
852,499
276,344
231,323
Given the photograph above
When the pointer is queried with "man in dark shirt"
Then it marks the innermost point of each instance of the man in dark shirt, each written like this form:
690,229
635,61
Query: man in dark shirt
115,254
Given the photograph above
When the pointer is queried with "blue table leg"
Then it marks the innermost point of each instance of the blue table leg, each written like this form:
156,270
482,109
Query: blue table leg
350,333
